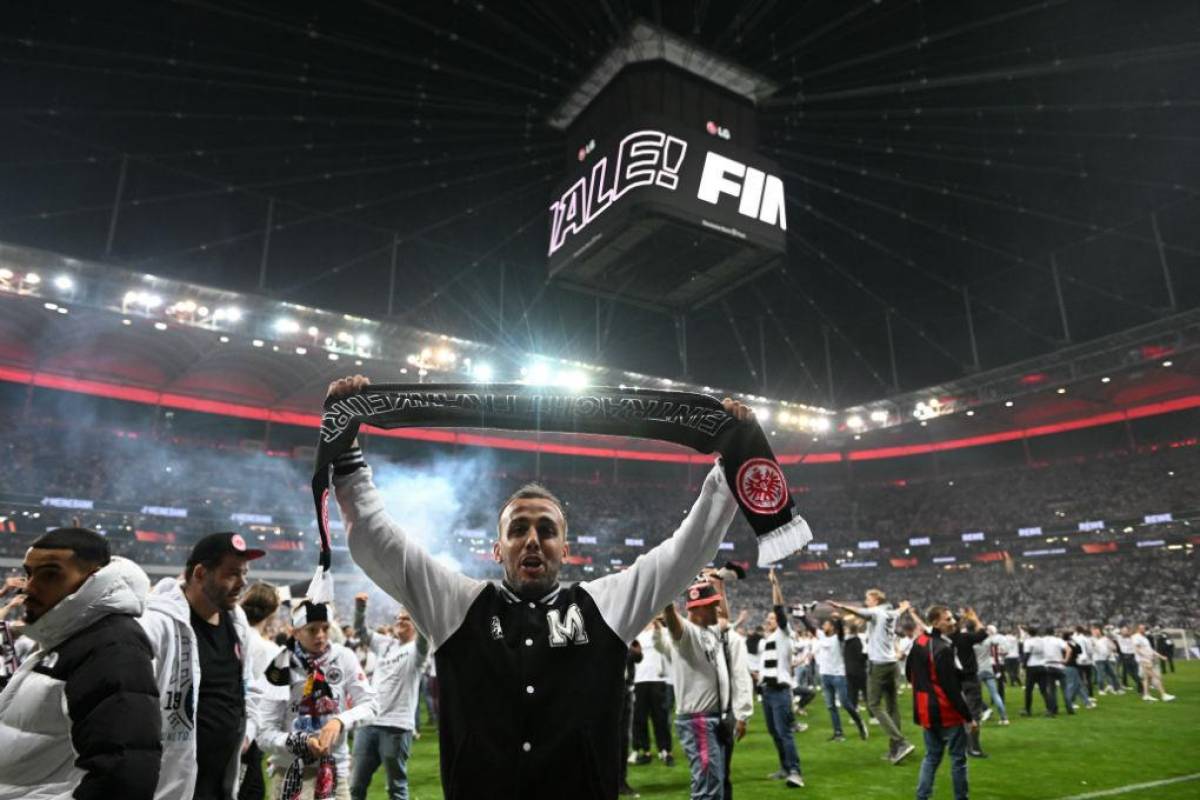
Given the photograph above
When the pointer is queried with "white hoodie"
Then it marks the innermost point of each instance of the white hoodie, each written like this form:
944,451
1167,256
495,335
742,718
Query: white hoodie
168,624
37,756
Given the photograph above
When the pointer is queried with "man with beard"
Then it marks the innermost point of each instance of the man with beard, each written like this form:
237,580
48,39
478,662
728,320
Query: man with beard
530,671
201,642
79,717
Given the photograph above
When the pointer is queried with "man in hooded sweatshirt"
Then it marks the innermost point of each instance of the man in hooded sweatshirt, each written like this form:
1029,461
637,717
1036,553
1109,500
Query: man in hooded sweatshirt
79,719
205,674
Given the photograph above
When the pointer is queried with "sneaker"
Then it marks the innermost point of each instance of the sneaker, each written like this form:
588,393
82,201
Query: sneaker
1149,699
837,737
977,754
862,731
800,727
874,721
794,781
1004,721
666,757
633,757
643,759
777,775
1168,697
903,752
987,714
625,790
1090,704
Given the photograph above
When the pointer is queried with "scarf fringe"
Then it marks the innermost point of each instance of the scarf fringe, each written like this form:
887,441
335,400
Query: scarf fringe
783,541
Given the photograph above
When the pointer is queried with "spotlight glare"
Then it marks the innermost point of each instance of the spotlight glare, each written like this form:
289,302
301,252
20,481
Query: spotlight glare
6,274
854,422
879,416
821,424
1008,403
33,279
1168,363
160,326
64,283
285,325
1106,379
333,356
312,330
483,373
257,342
537,373
363,340
301,351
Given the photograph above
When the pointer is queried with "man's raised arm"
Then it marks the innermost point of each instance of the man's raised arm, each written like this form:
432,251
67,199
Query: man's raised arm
436,596
630,599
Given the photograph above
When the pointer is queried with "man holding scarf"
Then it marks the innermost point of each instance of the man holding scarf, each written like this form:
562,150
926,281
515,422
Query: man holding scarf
531,671
305,732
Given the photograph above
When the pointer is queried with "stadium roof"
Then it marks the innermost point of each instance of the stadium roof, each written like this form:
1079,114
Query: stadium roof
970,186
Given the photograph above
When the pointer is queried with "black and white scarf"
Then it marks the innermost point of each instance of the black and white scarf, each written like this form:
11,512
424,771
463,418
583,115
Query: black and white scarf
693,420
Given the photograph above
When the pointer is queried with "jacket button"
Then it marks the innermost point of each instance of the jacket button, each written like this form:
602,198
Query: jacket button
528,690
533,605
529,642
527,747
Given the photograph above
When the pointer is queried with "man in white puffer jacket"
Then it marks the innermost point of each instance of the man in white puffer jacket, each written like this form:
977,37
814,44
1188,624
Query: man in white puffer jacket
205,675
79,718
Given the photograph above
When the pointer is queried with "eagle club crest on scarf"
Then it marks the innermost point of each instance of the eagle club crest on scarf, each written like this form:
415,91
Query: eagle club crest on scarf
684,418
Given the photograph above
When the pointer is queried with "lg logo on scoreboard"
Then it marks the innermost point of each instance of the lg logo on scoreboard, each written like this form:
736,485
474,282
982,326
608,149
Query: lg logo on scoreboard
761,195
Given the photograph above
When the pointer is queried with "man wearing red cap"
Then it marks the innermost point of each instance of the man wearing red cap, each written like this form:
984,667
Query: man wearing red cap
713,693
201,639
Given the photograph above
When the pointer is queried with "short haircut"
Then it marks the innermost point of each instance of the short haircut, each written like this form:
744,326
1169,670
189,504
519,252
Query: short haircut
260,602
877,594
533,491
87,546
209,564
934,613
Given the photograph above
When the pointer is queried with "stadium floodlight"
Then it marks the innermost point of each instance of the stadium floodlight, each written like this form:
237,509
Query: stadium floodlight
1008,403
762,413
257,342
574,380
312,330
301,351
483,372
160,326
821,424
537,373
286,325
1106,379
32,278
970,412
446,356
202,311
363,340
333,356
186,306
879,415
1168,363
6,274
62,309
224,340
342,336
854,422
784,418
126,322
64,283
1062,390
229,313
50,306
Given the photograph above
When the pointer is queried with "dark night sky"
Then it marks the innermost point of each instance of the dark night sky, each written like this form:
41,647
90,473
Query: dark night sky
927,147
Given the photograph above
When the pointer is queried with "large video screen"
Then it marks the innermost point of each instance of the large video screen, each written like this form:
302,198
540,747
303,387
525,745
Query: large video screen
654,166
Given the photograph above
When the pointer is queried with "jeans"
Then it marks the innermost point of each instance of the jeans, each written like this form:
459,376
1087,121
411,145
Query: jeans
1129,670
777,708
1073,688
1039,677
835,688
881,699
375,745
994,693
936,741
703,744
1106,671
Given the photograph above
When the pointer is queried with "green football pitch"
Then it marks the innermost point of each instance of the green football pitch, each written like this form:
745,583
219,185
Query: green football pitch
1106,752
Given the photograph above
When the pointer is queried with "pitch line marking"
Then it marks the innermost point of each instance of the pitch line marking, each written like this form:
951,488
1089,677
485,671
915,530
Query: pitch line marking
1133,787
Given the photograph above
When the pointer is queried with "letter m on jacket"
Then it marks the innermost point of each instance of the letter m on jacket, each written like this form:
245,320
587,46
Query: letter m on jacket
568,630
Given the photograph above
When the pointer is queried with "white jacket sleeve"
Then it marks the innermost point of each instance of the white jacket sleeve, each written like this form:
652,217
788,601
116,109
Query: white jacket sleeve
630,599
273,723
361,707
740,682
436,596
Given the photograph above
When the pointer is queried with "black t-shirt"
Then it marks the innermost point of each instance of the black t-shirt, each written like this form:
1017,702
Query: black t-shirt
221,710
